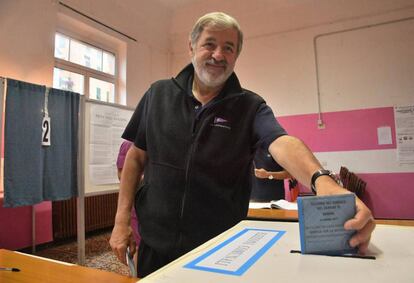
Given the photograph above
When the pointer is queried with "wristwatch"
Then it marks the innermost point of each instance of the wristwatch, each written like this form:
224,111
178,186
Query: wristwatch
270,177
319,173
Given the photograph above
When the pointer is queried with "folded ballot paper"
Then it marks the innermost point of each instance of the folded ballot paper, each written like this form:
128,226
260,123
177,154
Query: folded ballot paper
321,224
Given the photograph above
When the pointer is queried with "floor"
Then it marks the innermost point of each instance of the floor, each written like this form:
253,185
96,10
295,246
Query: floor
98,253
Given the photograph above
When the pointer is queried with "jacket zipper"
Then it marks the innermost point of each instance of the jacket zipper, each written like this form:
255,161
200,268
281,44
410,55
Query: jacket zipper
187,168
184,197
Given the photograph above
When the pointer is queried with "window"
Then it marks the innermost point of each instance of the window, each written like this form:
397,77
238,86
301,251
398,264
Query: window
84,68
68,80
101,90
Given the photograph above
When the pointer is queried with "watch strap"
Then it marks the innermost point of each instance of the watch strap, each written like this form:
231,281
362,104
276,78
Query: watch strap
319,173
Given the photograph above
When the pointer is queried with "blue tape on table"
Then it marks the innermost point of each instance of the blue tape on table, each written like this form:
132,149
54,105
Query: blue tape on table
237,254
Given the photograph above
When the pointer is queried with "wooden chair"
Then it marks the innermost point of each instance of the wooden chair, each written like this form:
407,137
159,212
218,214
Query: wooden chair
352,182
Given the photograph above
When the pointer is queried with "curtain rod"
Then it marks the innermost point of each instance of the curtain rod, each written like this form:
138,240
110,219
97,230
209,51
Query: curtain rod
96,21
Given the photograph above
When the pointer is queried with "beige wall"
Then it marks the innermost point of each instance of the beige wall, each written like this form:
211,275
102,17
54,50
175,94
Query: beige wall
27,38
278,59
26,45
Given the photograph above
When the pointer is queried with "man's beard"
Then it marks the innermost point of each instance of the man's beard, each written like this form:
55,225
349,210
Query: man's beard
208,79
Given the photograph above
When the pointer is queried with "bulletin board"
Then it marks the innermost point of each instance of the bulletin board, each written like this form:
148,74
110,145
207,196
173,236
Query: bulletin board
103,126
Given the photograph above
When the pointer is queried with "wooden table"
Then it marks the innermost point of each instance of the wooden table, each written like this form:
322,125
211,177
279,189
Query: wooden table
292,216
35,269
273,214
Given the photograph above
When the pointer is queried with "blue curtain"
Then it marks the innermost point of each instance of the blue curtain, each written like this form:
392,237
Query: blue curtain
32,172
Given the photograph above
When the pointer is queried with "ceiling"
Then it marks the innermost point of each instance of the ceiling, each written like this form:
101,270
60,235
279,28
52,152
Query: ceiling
172,4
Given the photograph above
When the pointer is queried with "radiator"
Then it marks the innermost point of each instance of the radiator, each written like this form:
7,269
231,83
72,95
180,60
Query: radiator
99,214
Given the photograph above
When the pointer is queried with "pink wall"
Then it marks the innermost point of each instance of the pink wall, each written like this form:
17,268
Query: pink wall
389,194
16,225
344,130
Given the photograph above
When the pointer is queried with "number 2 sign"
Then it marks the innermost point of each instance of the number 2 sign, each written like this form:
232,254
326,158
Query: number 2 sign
46,131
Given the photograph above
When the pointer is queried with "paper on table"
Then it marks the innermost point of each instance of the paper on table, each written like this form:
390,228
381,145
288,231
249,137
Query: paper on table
259,205
279,204
284,204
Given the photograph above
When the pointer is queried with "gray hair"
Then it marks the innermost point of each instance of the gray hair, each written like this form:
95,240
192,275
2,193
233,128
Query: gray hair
217,20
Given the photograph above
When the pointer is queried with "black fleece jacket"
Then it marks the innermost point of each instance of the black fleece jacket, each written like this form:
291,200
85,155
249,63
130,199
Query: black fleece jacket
198,176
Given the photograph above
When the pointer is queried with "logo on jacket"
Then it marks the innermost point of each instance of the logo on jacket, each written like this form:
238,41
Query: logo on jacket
221,122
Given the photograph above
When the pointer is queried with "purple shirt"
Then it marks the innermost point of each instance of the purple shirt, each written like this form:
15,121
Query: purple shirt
122,153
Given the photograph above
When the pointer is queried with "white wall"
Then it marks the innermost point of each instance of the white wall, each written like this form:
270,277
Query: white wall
147,22
278,59
27,35
369,67
27,38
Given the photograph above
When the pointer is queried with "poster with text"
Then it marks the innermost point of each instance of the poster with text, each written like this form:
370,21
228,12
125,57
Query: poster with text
404,128
107,124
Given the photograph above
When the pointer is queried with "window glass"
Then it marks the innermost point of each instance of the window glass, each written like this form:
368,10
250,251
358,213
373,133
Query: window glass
73,69
66,80
61,47
108,63
85,55
101,90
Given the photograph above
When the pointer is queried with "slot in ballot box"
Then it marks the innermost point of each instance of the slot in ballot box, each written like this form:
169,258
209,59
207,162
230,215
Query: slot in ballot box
260,251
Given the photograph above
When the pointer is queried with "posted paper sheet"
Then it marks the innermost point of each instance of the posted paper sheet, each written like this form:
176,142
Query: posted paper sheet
106,127
404,127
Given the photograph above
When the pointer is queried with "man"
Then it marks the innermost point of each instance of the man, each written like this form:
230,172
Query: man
195,136
268,178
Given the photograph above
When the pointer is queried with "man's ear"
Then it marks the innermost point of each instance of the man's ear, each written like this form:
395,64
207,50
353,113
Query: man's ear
190,48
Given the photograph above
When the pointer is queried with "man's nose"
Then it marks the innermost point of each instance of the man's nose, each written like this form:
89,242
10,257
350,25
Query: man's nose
218,54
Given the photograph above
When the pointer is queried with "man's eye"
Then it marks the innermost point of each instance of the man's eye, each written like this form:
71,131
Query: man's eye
209,45
229,49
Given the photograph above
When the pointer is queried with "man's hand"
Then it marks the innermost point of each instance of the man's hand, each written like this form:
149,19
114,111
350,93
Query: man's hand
261,173
364,223
121,238
293,155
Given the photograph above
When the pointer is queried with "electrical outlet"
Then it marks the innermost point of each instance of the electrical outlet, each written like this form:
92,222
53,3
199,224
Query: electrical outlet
321,124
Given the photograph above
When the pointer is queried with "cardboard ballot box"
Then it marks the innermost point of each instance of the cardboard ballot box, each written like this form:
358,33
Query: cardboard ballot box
256,251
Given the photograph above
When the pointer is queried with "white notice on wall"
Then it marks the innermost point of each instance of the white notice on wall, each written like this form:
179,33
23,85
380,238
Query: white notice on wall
384,135
106,127
404,128
103,174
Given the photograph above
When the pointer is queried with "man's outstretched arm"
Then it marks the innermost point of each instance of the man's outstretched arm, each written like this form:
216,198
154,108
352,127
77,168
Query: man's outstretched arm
293,155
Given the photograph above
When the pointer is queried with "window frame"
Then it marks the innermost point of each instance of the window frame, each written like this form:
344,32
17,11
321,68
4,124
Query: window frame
86,71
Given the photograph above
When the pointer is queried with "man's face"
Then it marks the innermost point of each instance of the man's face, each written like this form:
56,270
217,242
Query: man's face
214,56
